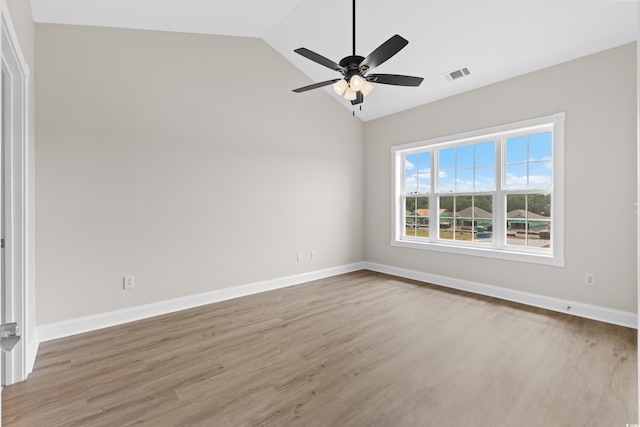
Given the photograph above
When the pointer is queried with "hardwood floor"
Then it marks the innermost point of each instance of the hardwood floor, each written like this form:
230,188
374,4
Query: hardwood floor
360,349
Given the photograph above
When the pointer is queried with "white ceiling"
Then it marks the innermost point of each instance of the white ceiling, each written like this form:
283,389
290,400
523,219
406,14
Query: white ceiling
495,39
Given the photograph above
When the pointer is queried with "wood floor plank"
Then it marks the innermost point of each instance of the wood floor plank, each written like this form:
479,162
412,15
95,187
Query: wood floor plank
357,349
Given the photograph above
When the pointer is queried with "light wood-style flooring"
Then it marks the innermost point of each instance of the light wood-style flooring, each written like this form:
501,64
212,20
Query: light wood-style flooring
361,349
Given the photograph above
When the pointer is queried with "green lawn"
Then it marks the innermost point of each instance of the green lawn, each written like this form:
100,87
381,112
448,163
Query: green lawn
417,232
444,234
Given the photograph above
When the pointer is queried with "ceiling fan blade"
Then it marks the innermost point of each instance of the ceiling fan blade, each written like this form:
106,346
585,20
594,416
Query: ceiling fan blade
320,59
359,98
395,79
315,86
385,51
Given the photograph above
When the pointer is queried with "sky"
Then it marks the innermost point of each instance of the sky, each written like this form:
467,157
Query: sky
471,167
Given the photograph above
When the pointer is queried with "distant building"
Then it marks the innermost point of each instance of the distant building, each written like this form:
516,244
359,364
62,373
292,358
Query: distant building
474,219
421,216
519,219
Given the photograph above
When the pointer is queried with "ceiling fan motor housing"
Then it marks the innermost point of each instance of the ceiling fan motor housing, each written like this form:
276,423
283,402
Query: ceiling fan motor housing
352,65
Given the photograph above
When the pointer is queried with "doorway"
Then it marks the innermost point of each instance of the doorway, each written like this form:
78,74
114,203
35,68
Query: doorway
13,132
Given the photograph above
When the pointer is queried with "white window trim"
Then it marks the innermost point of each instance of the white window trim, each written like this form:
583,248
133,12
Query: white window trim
498,250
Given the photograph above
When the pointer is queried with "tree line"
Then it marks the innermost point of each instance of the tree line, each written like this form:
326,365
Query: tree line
536,203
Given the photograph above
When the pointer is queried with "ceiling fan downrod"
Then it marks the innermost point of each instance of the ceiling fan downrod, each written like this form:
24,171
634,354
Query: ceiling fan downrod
354,27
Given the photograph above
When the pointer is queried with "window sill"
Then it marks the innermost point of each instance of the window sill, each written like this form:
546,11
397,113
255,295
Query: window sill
530,257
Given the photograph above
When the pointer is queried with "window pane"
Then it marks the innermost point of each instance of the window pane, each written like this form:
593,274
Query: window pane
484,232
417,217
483,218
447,181
528,220
516,219
529,161
465,156
516,234
485,179
410,230
424,183
410,219
485,154
410,184
540,175
423,206
411,163
463,223
516,176
410,177
447,204
485,204
424,162
540,146
467,168
447,158
445,217
464,180
466,218
516,202
476,219
462,203
539,204
517,149
539,234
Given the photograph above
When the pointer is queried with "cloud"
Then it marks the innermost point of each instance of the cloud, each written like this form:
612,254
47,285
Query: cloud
535,181
408,165
462,185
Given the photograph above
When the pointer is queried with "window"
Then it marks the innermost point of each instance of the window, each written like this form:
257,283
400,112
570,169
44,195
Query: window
494,192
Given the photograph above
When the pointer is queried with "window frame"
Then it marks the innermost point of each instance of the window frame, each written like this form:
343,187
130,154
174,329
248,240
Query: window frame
498,248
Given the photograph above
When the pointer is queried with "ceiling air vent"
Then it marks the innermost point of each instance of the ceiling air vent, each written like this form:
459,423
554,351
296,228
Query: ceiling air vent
457,74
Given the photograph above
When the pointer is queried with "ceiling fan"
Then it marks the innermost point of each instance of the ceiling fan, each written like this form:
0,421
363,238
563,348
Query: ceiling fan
355,83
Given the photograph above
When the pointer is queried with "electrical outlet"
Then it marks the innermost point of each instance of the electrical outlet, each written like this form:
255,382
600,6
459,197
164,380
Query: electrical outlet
129,282
300,256
590,279
313,254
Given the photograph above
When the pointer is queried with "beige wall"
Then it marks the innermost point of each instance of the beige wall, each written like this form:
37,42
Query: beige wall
20,11
184,160
153,162
598,95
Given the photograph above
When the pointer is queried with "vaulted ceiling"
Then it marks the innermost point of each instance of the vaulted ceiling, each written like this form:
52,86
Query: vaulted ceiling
494,39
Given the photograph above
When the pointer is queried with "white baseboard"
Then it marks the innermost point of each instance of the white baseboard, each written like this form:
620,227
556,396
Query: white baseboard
617,317
52,331
32,350
67,328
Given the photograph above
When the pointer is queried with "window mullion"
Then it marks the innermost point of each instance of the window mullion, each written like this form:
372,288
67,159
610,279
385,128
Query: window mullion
499,198
434,220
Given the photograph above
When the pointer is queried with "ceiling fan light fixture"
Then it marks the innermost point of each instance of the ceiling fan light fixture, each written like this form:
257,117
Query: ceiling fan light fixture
350,94
340,86
356,82
366,88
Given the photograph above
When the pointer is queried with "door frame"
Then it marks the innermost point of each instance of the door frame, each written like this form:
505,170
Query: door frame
14,307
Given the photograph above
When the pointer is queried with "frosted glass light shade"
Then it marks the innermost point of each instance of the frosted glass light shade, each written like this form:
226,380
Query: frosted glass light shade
366,88
350,94
356,83
340,86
